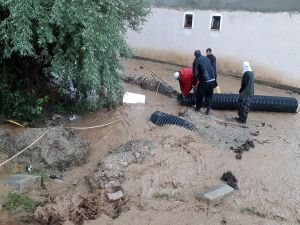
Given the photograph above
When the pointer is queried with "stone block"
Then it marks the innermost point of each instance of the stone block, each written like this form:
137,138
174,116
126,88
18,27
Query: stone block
23,183
115,196
215,195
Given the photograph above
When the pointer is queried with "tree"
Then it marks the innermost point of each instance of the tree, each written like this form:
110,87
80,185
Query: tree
78,40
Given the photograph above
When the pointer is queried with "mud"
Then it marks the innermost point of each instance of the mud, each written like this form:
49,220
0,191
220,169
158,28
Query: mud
111,171
59,150
152,85
83,202
184,162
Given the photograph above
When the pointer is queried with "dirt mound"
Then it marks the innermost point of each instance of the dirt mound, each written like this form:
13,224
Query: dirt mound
58,150
152,85
111,171
5,142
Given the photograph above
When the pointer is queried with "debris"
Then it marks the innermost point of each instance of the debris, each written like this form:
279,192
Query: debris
263,124
112,170
115,196
15,123
216,194
132,98
74,117
152,85
183,112
244,147
141,67
56,117
23,183
230,179
238,156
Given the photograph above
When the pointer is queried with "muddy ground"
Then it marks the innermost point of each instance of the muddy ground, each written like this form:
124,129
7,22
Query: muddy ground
161,190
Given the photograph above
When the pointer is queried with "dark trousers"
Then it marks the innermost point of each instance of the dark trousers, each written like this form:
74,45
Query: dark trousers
244,108
205,89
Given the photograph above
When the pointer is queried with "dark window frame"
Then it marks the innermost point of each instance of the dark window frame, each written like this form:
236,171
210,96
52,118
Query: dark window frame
216,21
188,22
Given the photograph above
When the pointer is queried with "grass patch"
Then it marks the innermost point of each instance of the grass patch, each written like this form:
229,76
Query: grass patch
17,200
163,195
44,177
253,211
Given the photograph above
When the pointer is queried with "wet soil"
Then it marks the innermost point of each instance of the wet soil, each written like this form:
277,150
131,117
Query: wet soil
184,162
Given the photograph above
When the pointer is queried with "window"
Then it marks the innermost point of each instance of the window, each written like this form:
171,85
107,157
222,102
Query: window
188,20
215,23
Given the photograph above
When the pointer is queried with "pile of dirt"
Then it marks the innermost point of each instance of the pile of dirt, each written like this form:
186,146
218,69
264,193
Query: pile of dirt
5,143
111,171
97,194
152,85
58,150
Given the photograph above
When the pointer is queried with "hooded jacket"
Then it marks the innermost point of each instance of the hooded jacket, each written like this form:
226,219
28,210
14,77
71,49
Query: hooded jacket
247,85
202,70
185,80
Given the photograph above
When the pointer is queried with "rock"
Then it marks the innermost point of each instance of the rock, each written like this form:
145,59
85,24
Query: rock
58,150
238,156
112,184
216,194
230,180
74,117
115,196
56,117
24,183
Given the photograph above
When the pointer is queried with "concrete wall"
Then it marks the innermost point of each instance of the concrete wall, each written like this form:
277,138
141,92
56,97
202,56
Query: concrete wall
270,41
229,5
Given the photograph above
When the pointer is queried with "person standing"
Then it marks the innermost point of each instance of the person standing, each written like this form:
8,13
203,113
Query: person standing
185,78
246,92
213,61
204,74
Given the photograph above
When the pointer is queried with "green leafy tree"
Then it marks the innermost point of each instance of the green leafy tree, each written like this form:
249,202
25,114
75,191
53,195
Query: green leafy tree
78,40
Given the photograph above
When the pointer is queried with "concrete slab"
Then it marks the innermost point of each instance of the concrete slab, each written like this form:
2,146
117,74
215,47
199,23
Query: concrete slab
215,195
23,183
115,196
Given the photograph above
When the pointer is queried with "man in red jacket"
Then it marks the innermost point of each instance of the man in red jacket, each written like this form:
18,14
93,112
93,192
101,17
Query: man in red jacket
185,77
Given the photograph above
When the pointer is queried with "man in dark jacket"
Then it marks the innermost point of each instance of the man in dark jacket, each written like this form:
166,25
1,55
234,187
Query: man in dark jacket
246,92
213,61
204,74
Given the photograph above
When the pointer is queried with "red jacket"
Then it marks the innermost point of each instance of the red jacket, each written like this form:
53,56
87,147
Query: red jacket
185,80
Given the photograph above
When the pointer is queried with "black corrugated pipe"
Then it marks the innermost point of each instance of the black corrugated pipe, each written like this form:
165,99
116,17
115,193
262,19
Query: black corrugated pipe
161,119
258,102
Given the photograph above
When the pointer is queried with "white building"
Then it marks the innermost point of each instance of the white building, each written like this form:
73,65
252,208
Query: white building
266,33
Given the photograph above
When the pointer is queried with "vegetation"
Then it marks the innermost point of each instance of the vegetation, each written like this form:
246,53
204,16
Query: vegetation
77,42
253,211
17,200
163,195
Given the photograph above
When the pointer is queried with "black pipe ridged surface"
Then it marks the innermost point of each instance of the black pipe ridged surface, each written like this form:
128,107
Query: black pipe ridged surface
161,119
258,102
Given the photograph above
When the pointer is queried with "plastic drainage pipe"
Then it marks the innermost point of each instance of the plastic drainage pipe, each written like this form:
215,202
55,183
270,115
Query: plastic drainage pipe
161,119
258,102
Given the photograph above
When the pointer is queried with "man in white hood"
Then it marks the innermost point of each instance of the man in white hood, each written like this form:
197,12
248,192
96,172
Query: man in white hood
246,92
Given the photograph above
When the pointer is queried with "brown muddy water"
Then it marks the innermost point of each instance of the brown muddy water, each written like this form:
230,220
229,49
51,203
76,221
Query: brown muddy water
184,163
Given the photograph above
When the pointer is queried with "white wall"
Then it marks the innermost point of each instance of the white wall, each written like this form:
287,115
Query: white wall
270,41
